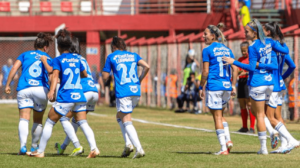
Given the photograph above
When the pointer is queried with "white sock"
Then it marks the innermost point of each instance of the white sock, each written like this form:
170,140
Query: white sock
283,141
132,134
262,136
226,130
67,139
47,131
70,132
124,133
88,132
269,127
23,131
36,132
284,132
221,138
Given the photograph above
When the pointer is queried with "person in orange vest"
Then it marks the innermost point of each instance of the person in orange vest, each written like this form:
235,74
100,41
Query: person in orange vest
172,89
292,98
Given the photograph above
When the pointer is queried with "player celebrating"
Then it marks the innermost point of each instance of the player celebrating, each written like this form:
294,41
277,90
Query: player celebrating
32,89
218,87
127,87
70,97
260,78
89,89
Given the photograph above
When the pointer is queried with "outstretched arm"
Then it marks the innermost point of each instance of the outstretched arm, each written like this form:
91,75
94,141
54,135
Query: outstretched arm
291,67
272,66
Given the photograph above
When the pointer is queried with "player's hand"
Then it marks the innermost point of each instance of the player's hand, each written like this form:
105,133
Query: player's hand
0,84
102,91
201,94
7,90
51,96
43,58
228,60
233,92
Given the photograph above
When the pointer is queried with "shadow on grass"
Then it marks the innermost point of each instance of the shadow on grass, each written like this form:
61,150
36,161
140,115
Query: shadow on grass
209,153
64,155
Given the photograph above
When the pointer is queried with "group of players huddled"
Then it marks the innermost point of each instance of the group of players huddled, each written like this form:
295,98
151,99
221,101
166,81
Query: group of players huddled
77,94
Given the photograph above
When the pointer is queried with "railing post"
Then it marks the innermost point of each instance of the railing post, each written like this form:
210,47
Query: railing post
137,7
209,6
296,41
132,7
101,7
172,7
276,4
30,7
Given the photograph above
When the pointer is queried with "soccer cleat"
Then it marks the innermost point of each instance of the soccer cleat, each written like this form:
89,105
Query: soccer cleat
281,150
127,150
32,149
37,154
251,131
262,152
243,130
229,146
139,154
77,151
274,140
222,153
58,148
294,144
94,153
23,151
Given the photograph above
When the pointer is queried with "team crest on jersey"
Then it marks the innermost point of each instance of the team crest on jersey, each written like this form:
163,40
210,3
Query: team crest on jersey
75,96
268,77
226,85
134,89
33,82
91,83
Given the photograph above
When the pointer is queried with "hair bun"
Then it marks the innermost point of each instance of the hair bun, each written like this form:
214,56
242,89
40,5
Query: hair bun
41,35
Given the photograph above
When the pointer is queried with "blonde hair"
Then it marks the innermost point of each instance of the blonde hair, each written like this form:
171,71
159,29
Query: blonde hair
217,32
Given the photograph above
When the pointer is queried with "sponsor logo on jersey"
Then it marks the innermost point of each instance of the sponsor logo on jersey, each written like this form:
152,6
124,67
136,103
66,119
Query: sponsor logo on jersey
33,82
226,84
91,83
124,58
72,65
134,89
75,96
70,60
222,51
268,77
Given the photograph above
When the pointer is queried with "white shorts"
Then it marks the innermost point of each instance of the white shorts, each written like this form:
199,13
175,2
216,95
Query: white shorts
64,108
92,99
274,99
127,104
217,100
98,87
261,93
33,97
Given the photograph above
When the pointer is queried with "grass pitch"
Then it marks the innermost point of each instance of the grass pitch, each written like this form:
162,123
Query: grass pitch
164,146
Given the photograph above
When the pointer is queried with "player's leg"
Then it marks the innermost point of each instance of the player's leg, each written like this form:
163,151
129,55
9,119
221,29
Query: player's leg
244,115
252,117
225,100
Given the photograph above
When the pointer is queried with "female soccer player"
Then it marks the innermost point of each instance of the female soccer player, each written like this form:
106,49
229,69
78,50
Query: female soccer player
32,89
274,115
243,92
260,78
70,97
127,87
89,89
218,87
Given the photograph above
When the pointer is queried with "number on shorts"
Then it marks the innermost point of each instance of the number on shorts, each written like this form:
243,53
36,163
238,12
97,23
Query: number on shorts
68,84
132,73
221,67
35,70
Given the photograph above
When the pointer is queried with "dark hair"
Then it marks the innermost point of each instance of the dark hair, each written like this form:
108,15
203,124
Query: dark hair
42,40
242,2
118,42
275,31
192,73
75,47
64,40
245,43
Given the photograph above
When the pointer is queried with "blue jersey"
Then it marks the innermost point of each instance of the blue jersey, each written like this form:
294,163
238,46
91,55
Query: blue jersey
266,55
124,66
34,72
70,90
291,66
219,74
87,83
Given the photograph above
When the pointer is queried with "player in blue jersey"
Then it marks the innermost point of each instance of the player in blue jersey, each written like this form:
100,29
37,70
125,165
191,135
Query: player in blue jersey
288,143
128,90
32,89
89,89
68,68
217,78
261,64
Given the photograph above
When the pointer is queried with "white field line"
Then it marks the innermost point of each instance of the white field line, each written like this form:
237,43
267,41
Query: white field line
172,125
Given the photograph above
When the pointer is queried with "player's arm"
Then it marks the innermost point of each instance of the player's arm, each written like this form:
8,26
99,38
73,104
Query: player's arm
145,67
234,79
291,67
54,81
272,66
1,78
105,76
83,74
11,75
44,60
277,47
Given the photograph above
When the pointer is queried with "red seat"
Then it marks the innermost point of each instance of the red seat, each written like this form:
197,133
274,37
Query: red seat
5,6
45,6
66,6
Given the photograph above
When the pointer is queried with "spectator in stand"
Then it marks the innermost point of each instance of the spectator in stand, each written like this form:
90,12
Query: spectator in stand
3,78
243,92
172,89
244,13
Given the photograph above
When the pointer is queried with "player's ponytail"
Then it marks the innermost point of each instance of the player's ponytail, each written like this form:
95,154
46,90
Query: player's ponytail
217,32
64,40
279,33
257,28
42,40
118,43
275,31
75,47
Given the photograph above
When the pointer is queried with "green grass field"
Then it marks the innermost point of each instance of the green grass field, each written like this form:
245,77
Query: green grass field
164,146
